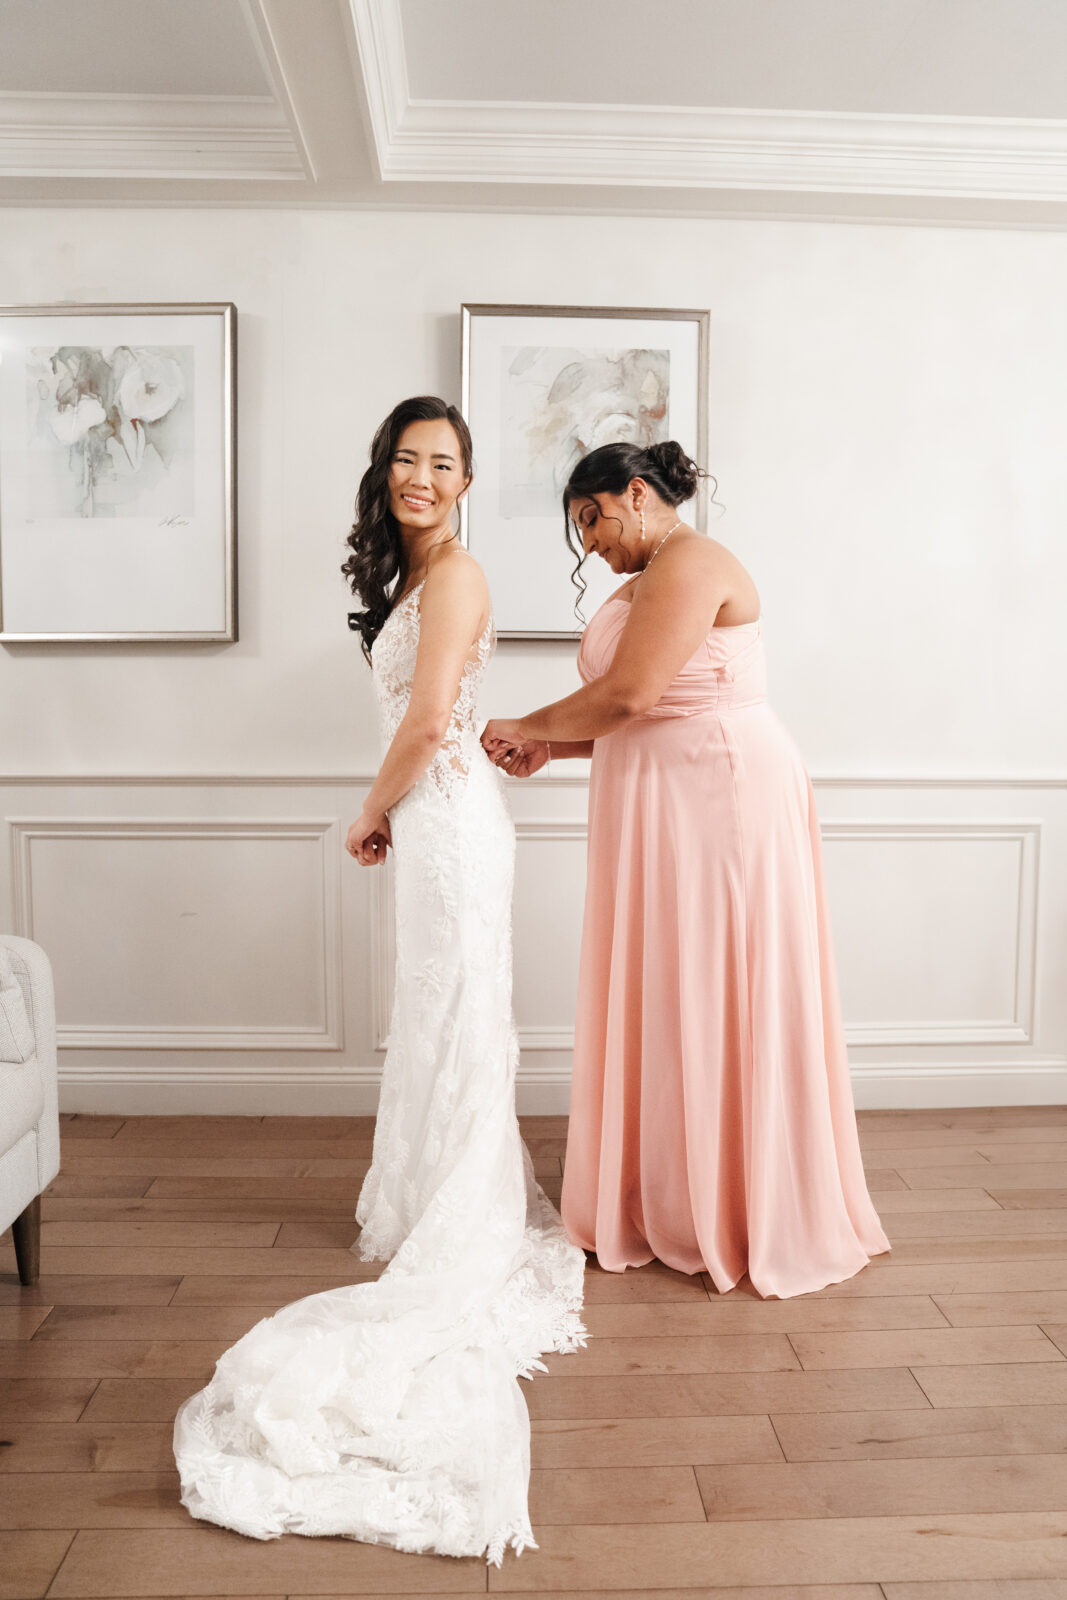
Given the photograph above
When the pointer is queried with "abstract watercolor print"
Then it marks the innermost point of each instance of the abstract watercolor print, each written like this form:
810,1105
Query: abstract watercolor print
111,432
558,404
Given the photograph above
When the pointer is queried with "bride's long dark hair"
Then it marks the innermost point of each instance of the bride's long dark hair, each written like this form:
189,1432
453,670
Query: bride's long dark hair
378,555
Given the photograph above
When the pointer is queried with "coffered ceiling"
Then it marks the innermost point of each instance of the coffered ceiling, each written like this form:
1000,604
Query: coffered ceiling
938,110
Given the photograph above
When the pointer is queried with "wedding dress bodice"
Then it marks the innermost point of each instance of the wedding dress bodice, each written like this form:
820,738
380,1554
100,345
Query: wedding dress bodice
393,655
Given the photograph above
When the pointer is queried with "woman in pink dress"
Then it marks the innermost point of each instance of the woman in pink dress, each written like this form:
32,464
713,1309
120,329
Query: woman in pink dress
712,1123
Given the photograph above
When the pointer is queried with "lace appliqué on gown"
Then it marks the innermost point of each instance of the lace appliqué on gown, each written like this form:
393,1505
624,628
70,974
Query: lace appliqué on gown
390,1411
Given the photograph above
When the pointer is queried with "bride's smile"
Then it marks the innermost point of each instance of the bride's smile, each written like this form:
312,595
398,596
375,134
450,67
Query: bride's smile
426,482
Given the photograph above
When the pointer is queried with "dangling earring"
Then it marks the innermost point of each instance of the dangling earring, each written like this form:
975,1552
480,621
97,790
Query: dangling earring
641,514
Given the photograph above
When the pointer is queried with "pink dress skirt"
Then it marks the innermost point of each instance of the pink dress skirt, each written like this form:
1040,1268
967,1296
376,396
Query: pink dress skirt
712,1123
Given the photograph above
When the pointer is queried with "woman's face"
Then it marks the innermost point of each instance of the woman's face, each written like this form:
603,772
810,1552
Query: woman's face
426,477
609,526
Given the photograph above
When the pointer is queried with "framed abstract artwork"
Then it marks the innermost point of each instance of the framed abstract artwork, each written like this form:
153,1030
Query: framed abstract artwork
541,387
117,473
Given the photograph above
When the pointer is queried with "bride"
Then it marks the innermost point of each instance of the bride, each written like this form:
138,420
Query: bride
390,1411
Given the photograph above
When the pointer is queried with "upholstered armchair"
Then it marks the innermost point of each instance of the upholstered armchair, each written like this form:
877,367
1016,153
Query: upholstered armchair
29,1105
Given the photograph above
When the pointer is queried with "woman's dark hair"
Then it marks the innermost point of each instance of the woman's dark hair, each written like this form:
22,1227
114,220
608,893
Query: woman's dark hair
378,556
665,468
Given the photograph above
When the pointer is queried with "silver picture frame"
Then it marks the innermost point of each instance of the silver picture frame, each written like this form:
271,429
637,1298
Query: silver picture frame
118,473
511,520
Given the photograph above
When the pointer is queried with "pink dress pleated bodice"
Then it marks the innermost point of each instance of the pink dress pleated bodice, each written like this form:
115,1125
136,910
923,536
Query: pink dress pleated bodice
712,1123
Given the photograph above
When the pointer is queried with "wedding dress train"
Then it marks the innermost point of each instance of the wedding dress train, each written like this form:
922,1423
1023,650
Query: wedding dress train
390,1411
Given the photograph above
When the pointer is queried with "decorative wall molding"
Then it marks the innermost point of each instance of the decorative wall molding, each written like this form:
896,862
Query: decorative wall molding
960,1071
146,136
1019,1027
969,1060
1016,1029
1053,1069
915,1085
578,779
352,1092
637,146
329,1035
935,780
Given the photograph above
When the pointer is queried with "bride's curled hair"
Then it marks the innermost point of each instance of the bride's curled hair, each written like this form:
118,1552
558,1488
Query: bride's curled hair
665,467
378,556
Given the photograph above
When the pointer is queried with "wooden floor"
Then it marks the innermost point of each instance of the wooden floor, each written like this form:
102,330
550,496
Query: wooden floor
899,1436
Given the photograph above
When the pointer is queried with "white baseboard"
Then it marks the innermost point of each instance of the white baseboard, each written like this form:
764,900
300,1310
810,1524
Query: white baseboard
905,1087
201,1097
900,1087
264,1099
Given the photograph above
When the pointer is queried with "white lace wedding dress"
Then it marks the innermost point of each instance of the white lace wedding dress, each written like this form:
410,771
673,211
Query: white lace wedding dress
390,1411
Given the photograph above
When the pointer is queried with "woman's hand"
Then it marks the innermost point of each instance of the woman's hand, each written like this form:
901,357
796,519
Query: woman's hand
368,838
507,749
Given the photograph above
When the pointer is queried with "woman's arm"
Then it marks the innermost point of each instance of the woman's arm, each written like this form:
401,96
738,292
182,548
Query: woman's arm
454,597
670,614
522,758
562,748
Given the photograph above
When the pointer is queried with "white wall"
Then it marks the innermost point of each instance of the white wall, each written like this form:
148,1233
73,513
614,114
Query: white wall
888,410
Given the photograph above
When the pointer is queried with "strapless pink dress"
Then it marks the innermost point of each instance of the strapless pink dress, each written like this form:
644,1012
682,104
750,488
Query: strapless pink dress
712,1122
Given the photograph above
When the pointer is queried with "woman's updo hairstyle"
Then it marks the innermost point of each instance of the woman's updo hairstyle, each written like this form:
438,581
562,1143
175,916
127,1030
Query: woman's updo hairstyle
608,470
665,467
377,549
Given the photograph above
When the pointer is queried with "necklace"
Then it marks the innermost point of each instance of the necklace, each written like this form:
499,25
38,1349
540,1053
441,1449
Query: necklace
666,536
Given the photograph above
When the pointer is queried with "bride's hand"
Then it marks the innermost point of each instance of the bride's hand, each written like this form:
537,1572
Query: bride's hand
368,838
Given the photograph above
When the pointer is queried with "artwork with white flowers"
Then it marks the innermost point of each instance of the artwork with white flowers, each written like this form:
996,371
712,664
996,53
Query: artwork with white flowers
111,430
559,403
116,473
542,386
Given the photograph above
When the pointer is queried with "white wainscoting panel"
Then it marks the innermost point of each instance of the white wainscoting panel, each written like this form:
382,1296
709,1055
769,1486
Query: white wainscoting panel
942,920
185,934
547,917
216,951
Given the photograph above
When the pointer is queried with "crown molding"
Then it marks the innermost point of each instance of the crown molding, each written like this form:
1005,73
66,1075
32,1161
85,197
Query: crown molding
262,33
694,147
706,148
146,136
379,39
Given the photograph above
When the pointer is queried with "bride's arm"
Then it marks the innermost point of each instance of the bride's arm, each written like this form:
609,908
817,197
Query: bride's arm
454,598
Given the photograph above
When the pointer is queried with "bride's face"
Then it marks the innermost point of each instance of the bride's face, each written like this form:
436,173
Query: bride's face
609,526
426,479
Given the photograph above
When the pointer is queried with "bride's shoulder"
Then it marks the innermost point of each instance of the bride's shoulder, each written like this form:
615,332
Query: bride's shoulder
454,575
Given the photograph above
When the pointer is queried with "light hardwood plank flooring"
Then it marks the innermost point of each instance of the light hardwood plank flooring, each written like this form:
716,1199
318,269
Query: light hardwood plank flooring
898,1436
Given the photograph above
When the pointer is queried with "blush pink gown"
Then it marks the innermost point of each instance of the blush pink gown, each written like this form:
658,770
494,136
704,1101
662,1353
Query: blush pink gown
712,1123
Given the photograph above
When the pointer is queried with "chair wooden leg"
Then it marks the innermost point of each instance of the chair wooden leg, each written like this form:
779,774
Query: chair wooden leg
26,1231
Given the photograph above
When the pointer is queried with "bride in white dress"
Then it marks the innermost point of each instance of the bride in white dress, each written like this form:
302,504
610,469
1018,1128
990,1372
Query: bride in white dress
390,1411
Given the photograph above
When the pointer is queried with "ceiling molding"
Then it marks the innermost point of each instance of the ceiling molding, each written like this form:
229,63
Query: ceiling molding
664,147
146,136
379,37
693,147
263,37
